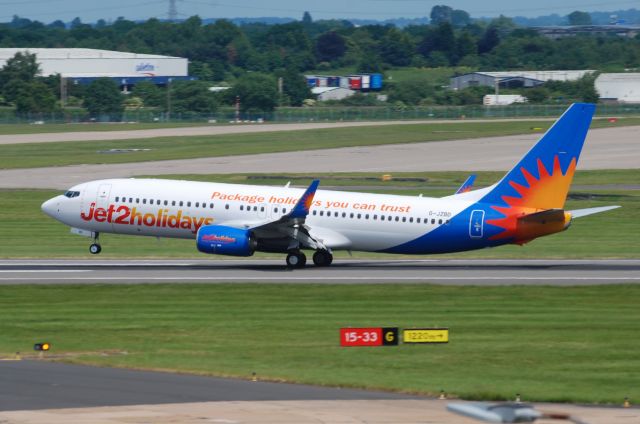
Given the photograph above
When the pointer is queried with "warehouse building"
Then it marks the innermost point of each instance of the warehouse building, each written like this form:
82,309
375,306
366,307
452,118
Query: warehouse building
513,79
81,66
620,87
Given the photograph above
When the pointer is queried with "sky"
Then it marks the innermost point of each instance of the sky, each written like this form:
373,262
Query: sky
91,10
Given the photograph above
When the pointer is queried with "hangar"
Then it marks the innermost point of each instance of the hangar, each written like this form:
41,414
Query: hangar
81,66
513,79
620,87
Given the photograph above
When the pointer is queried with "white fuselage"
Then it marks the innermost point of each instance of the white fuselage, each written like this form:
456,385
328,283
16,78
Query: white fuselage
173,208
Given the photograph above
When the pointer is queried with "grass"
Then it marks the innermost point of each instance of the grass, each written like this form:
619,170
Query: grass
96,126
558,344
27,233
166,148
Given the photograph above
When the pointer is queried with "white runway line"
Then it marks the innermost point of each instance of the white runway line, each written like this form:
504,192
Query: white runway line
240,279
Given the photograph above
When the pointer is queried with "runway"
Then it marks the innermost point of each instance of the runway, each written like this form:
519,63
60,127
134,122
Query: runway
343,271
610,148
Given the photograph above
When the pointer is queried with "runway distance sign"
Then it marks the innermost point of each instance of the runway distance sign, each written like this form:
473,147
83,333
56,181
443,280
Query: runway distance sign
425,335
369,336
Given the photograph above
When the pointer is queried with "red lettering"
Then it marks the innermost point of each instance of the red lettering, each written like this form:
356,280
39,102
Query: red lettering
110,213
149,220
100,215
88,216
135,215
124,211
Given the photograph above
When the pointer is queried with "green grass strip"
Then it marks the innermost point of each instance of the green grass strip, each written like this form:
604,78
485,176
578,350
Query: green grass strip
561,344
168,148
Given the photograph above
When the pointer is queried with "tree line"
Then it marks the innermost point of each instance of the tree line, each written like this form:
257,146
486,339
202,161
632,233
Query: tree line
253,56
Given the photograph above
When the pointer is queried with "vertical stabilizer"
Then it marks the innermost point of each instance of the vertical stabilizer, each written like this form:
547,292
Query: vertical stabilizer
542,178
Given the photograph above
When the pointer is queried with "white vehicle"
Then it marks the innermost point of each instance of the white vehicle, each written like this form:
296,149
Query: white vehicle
238,220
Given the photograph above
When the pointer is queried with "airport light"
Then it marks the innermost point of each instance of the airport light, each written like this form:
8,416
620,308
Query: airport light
506,413
42,347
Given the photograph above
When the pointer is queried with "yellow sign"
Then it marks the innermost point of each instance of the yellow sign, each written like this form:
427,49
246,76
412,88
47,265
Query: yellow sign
425,335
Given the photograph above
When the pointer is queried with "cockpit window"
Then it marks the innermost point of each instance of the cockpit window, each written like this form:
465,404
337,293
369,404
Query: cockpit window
71,194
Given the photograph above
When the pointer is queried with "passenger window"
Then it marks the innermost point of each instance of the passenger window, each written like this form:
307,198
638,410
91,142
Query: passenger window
241,207
359,216
188,204
261,208
397,218
351,215
158,202
130,199
410,219
314,212
173,203
226,206
197,204
211,205
321,213
284,210
166,202
137,200
181,203
275,210
375,217
366,216
404,219
144,201
344,214
255,209
433,221
439,221
117,199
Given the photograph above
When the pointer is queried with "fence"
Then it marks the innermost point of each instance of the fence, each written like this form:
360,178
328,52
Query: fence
322,114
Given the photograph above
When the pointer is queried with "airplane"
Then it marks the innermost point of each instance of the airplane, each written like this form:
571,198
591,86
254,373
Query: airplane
238,220
467,185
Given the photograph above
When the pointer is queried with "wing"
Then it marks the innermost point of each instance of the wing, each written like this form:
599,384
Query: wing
292,225
467,185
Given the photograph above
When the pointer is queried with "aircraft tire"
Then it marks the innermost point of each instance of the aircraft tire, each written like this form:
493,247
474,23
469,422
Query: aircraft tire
94,249
322,258
296,260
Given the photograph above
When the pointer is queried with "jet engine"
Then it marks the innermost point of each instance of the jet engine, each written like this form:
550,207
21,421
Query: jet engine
222,240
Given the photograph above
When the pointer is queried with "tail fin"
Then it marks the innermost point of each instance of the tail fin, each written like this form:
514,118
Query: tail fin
542,178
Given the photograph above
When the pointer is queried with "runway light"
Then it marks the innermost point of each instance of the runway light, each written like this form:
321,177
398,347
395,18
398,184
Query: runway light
443,395
42,347
626,403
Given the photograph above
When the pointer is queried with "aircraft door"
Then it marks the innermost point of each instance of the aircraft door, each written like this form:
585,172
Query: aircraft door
476,224
102,197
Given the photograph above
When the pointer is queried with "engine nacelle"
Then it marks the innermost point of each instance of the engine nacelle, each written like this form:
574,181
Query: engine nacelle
221,240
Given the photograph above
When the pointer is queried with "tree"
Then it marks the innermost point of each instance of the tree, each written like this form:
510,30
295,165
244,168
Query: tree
150,94
257,92
440,14
330,46
34,97
21,69
579,18
192,96
460,18
490,39
306,19
294,87
396,48
103,97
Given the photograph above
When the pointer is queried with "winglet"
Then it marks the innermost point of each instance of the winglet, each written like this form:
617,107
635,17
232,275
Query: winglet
466,186
301,209
579,213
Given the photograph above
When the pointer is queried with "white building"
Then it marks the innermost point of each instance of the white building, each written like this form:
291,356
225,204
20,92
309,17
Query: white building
332,93
81,66
514,79
621,87
502,99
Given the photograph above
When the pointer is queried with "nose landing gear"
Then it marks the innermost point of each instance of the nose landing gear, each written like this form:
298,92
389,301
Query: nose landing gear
95,247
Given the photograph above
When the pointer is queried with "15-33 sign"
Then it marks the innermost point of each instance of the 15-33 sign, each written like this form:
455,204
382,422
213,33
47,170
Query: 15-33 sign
369,336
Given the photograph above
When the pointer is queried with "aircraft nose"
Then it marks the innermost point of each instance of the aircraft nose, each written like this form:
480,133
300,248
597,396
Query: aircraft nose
51,207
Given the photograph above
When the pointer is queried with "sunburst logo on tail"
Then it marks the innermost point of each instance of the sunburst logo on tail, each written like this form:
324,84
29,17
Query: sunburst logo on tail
547,191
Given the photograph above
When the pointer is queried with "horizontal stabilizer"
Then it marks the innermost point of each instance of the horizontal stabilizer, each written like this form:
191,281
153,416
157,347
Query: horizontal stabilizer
578,213
551,215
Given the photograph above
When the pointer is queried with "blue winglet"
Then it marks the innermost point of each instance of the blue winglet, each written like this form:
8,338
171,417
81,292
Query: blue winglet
466,186
301,209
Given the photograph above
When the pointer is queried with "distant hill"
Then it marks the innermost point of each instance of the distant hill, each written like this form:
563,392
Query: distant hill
629,17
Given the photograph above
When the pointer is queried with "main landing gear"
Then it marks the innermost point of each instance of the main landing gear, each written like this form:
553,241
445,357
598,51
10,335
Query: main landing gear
297,259
95,248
